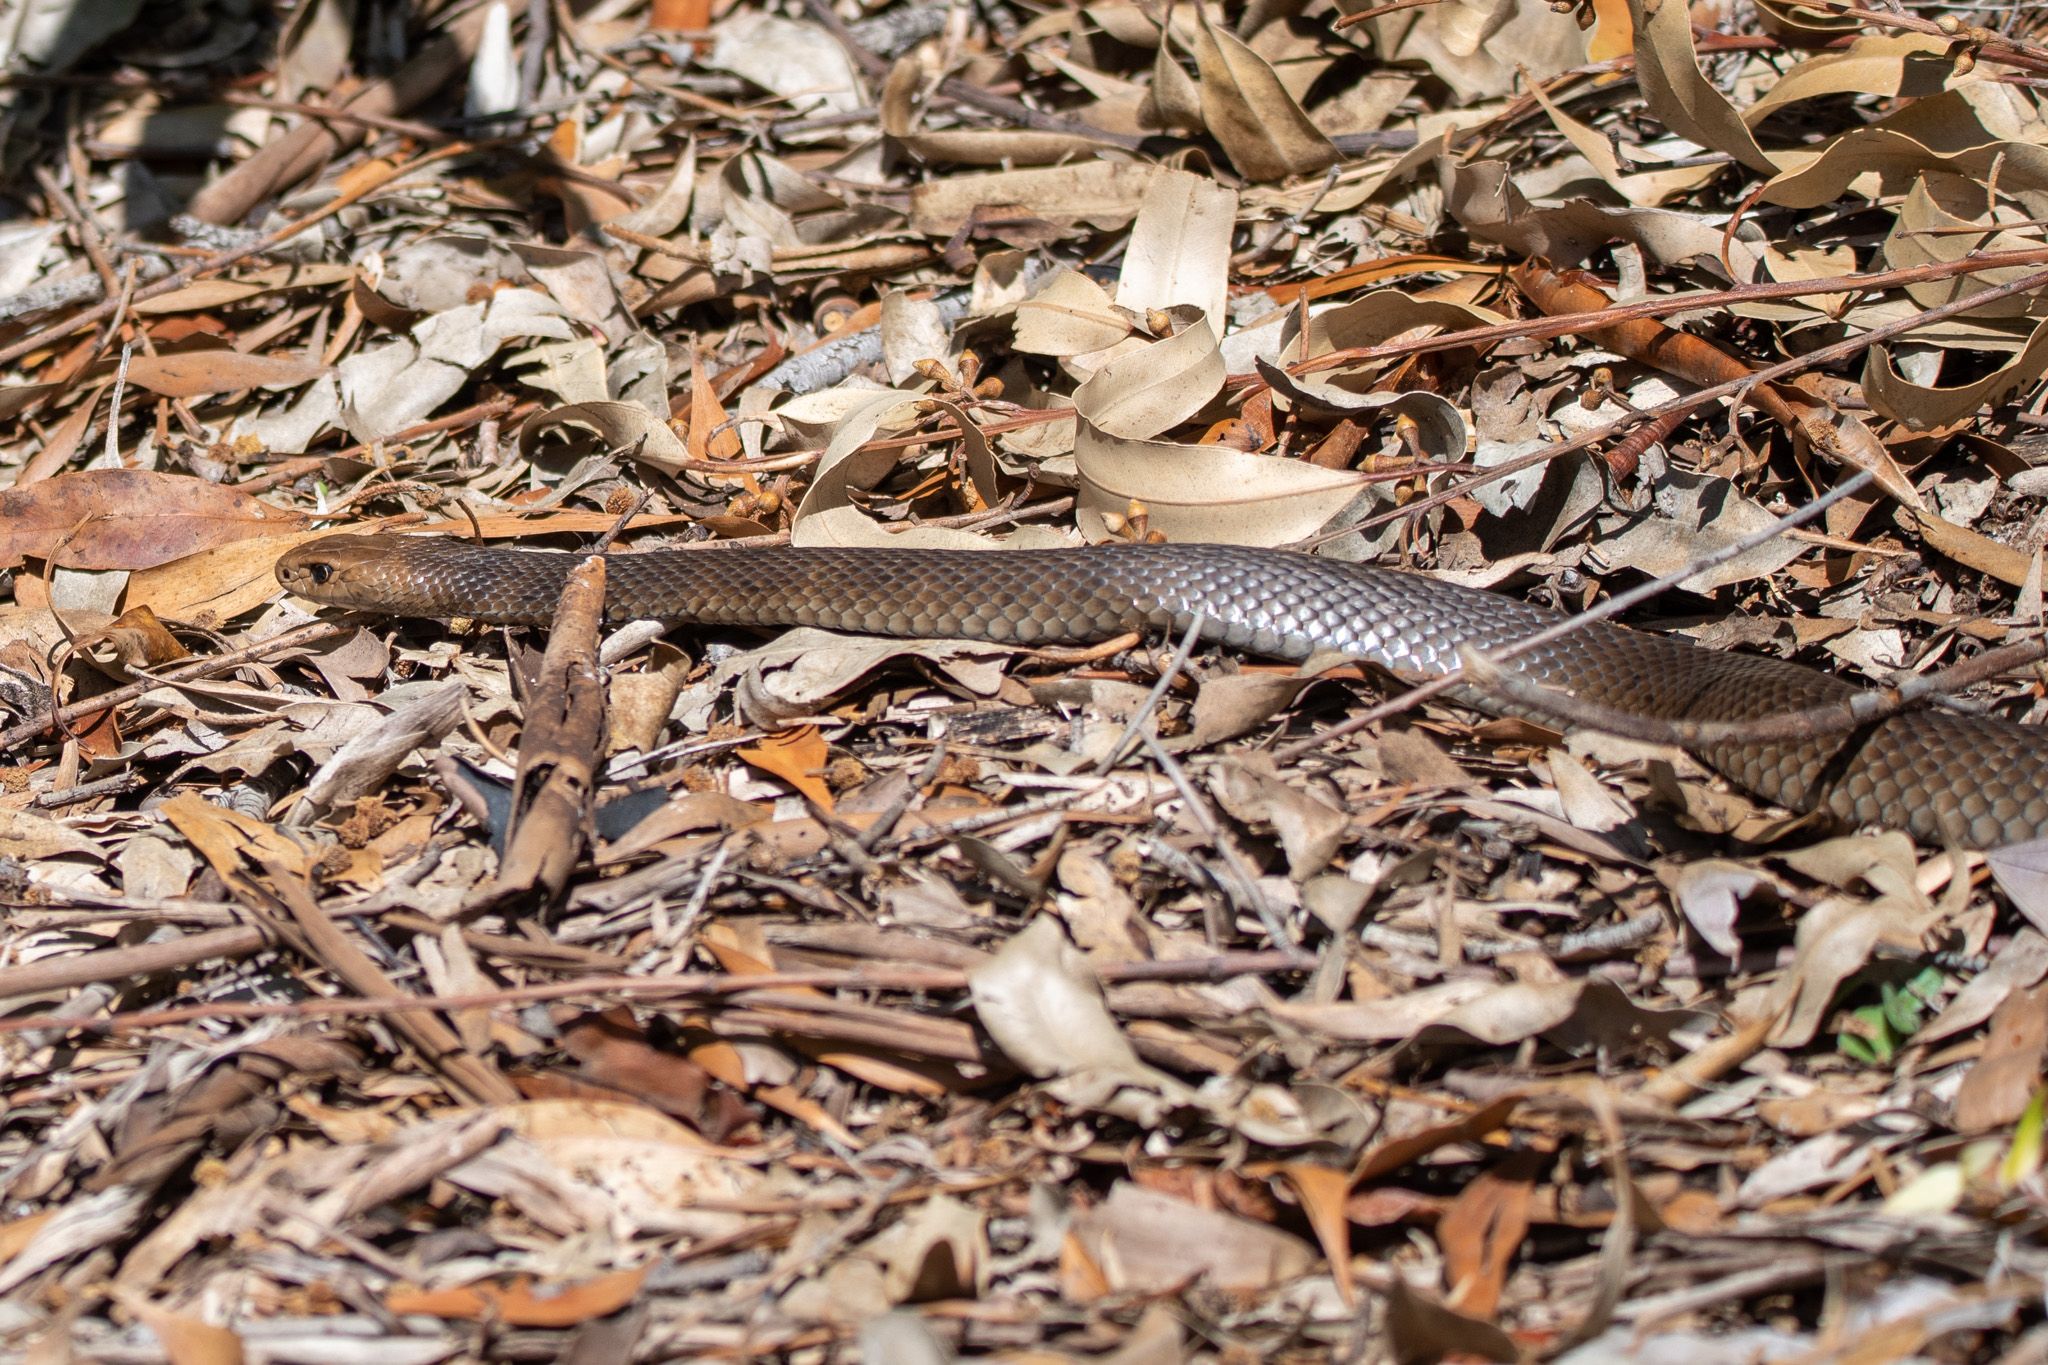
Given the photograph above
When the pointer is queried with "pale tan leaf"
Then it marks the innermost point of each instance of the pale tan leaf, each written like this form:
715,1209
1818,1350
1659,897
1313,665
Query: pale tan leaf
1907,145
1152,1243
1249,111
29,837
1638,187
206,295
1927,408
1104,194
1072,315
222,582
1835,939
827,515
625,427
1998,1085
1668,70
1207,493
1887,64
1180,248
1043,1006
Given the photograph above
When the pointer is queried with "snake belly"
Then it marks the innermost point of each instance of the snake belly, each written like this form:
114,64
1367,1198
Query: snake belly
1945,778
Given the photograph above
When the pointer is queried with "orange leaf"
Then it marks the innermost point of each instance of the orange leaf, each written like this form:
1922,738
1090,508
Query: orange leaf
19,1232
1370,273
796,757
365,176
1480,1233
1614,34
1081,1279
188,1341
675,14
517,1305
710,437
226,837
1324,1192
566,141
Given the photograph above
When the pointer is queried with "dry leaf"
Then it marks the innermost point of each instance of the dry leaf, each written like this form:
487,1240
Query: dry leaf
523,1302
129,519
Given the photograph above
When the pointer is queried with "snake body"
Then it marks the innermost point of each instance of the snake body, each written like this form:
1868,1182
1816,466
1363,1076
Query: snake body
1945,778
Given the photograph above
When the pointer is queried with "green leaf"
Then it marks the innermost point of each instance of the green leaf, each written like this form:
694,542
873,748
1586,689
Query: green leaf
2023,1158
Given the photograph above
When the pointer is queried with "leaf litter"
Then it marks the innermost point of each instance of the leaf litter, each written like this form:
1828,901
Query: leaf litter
403,992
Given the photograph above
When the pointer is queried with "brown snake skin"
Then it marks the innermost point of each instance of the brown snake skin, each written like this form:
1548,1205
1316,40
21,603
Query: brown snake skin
1945,778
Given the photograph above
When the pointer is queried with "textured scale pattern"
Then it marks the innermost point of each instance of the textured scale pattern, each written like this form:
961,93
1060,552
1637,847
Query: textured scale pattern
1944,778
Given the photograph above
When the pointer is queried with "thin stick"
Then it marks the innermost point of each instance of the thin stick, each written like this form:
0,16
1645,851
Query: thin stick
1188,640
312,633
689,986
178,279
1853,712
1840,350
1613,606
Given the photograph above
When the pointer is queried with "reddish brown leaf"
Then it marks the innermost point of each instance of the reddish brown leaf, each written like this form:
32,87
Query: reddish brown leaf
1480,1233
1395,1153
128,519
711,438
1322,1190
1837,436
198,373
140,639
614,1052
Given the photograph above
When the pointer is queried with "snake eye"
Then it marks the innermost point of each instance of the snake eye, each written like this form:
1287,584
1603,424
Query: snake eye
319,571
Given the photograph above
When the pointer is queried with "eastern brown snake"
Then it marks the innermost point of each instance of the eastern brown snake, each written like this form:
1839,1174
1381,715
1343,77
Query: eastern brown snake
1944,777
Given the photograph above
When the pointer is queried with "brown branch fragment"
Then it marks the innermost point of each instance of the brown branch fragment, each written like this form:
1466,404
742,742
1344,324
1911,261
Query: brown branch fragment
683,987
561,747
1664,305
328,944
1969,548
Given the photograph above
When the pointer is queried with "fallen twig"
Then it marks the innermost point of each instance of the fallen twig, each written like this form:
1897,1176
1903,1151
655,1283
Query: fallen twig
1814,722
312,633
1613,606
691,986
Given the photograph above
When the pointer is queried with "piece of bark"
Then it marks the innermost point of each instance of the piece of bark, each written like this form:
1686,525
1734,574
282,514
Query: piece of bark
285,161
560,748
327,943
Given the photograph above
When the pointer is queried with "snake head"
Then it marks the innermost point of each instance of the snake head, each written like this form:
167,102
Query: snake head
323,570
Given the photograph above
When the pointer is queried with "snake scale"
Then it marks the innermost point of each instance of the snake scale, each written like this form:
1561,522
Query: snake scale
1944,777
